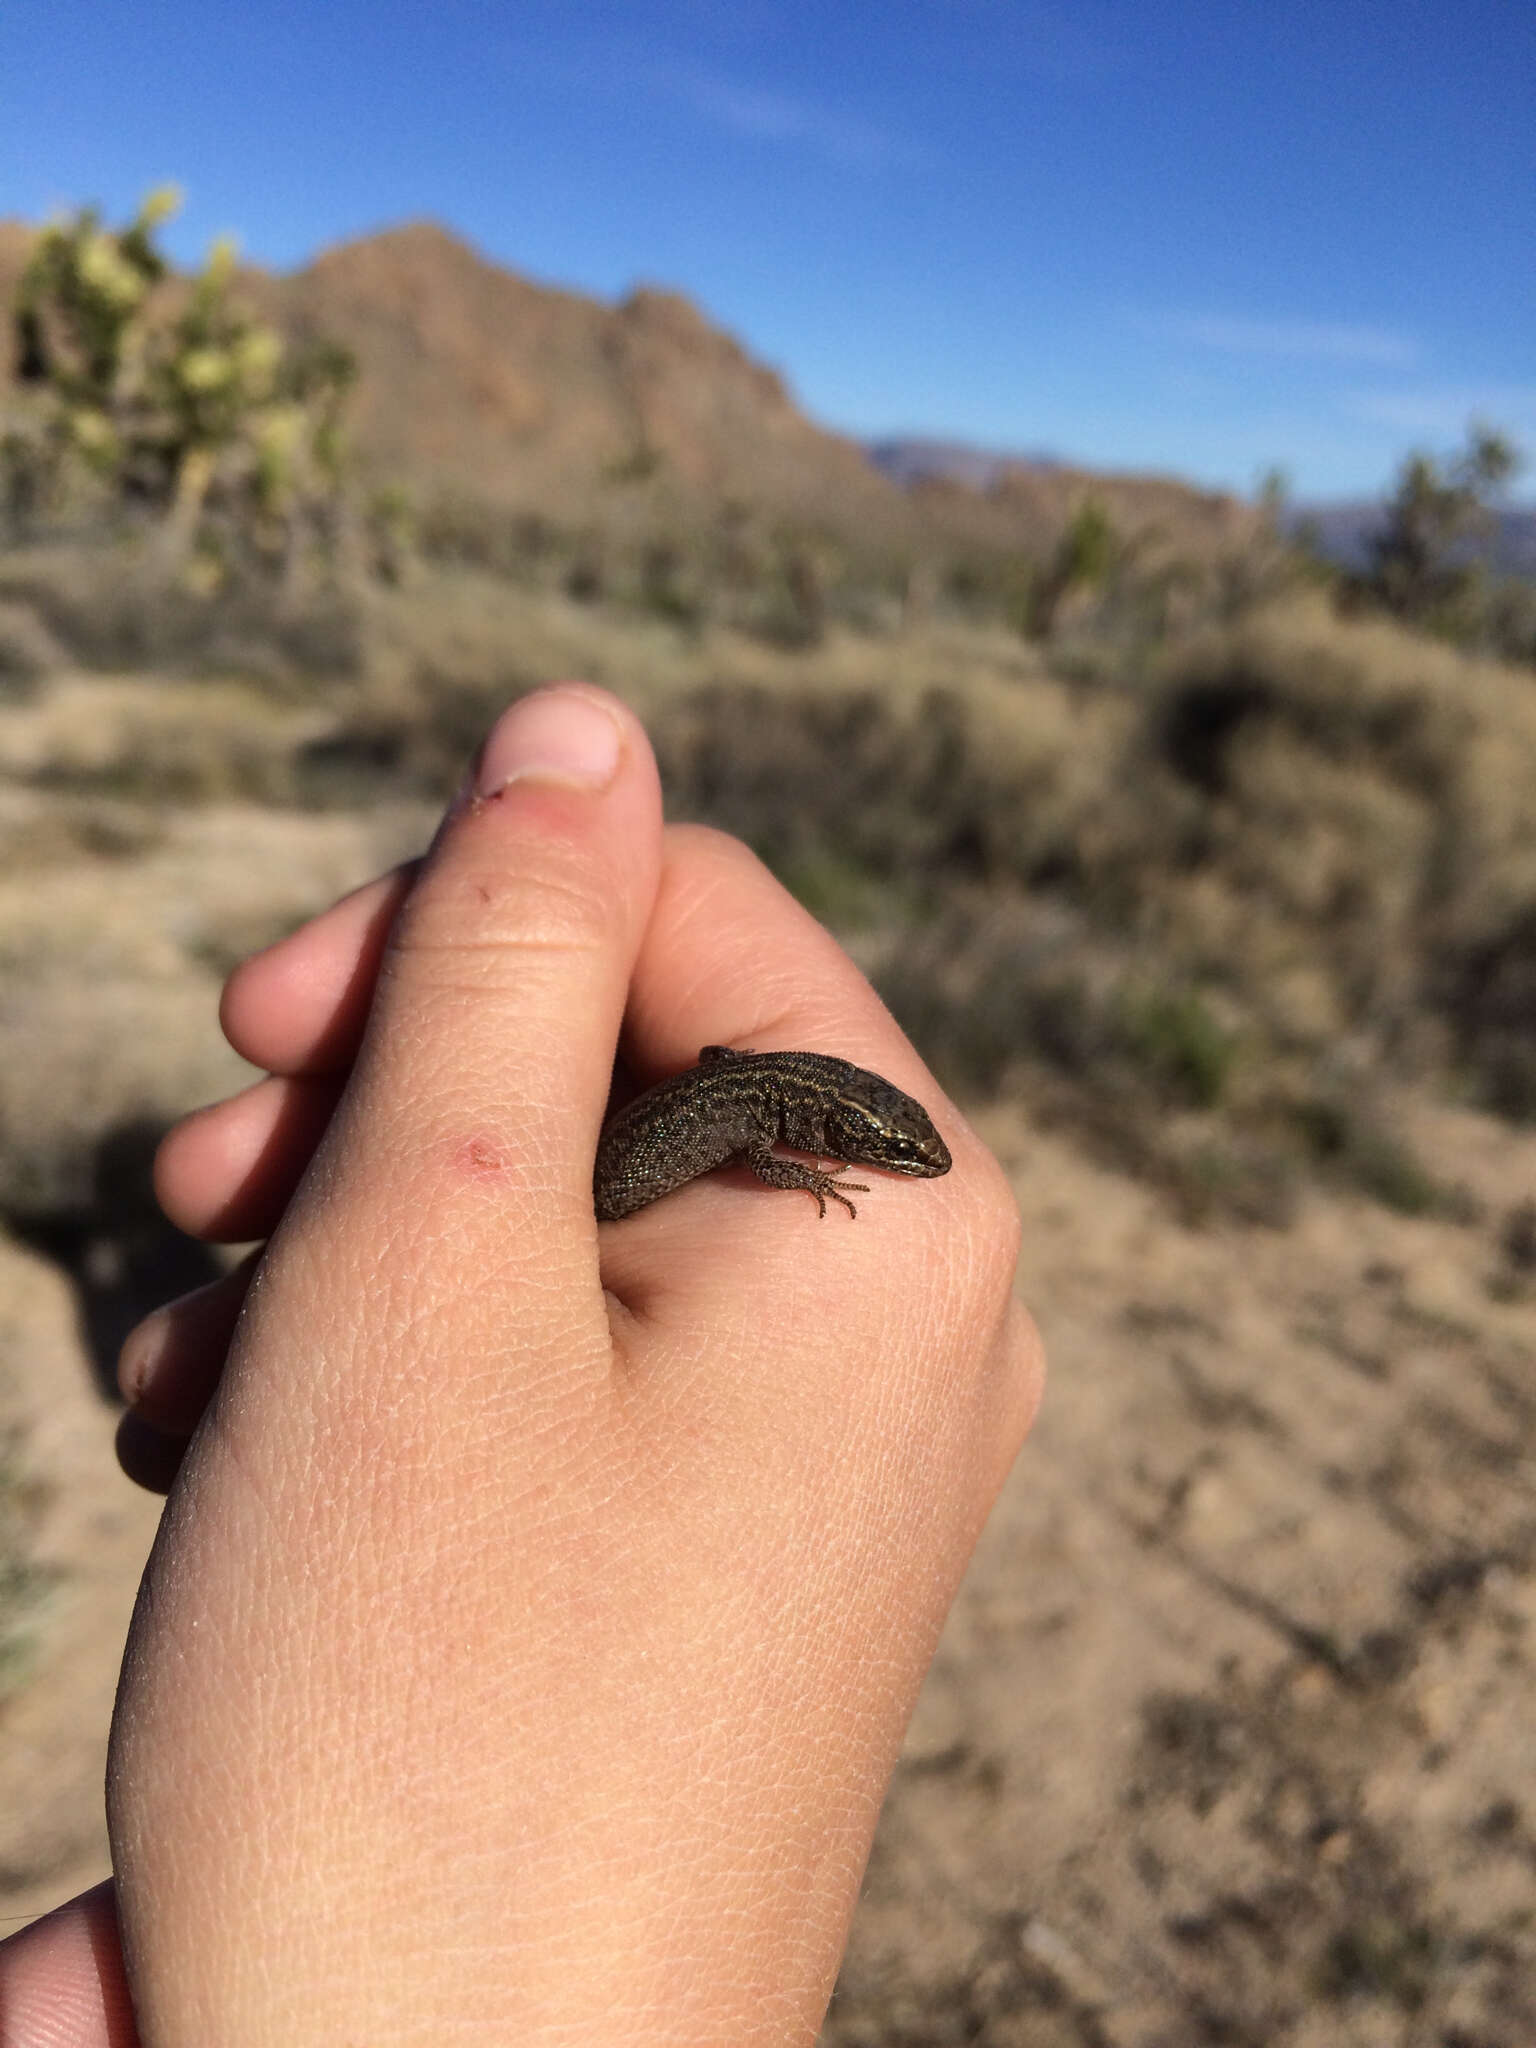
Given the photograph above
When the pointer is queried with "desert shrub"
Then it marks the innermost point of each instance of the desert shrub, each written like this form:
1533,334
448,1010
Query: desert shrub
668,587
586,579
986,987
391,531
1420,567
983,990
101,606
843,895
1381,1957
28,651
1273,808
24,1581
1218,688
1488,988
1355,1143
1175,1037
777,582
1232,1174
1287,837
1083,559
1507,627
1517,1237
468,533
1430,560
417,748
788,609
913,794
1200,718
1019,999
1364,804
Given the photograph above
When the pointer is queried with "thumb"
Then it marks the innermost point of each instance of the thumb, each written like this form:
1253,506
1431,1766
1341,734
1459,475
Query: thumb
484,1071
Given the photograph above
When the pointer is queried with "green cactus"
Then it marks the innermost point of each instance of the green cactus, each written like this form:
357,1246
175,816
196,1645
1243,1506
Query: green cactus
78,300
175,401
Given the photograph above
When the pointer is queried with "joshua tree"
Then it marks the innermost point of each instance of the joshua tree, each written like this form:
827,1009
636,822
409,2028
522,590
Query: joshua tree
176,399
1083,558
1419,560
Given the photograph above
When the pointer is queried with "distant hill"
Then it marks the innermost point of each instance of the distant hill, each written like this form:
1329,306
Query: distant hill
481,386
476,379
1343,530
479,382
913,458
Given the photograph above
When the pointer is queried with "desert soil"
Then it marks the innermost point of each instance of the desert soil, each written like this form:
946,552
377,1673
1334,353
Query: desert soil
1230,1738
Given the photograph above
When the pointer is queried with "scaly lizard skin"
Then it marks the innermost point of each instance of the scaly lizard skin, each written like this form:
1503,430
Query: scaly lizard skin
731,1108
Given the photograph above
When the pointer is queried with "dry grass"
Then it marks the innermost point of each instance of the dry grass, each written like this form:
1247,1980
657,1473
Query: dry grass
1212,906
23,1584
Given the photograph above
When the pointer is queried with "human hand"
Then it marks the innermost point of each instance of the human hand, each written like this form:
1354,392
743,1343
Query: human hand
538,1611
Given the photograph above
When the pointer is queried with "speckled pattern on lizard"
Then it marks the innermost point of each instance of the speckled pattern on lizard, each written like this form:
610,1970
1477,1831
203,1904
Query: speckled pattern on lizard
733,1107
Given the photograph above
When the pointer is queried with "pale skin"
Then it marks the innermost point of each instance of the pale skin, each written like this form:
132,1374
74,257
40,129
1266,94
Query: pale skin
538,1606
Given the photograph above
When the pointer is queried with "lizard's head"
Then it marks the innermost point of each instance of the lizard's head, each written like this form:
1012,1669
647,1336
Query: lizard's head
870,1123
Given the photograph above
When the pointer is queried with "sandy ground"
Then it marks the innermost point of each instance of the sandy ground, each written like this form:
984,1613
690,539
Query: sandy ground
1231,1737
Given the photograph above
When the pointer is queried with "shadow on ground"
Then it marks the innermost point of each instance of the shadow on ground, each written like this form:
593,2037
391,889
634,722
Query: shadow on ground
120,1255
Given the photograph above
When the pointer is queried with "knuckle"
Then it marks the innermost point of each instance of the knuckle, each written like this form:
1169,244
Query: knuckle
711,843
1021,1374
996,1225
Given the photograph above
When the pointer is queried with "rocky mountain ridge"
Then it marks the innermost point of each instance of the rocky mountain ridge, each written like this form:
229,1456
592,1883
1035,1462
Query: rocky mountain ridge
479,385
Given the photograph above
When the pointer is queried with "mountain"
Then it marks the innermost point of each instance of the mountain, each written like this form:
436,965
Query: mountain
478,383
914,458
475,379
480,387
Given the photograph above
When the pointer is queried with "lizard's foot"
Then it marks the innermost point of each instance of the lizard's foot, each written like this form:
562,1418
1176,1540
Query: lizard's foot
824,1185
790,1173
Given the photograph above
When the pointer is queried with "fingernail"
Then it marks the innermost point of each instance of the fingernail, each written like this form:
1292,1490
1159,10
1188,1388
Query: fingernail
555,735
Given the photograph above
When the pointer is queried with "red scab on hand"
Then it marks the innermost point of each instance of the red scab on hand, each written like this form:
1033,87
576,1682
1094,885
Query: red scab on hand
480,1159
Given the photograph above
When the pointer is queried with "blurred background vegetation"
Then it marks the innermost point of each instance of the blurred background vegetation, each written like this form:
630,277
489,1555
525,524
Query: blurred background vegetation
1139,808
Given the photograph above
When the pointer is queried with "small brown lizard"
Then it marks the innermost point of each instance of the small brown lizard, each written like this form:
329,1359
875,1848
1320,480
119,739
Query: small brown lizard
732,1107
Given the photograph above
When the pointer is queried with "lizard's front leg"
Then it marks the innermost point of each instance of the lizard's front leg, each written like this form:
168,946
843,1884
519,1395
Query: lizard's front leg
790,1173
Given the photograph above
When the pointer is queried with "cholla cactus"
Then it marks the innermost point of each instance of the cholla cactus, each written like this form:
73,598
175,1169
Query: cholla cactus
79,301
179,402
79,298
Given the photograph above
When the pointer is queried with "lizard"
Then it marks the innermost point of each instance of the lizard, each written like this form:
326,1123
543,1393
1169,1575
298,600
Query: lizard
732,1107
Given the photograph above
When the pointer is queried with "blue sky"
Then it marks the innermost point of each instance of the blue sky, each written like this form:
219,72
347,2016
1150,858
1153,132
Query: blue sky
1199,238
